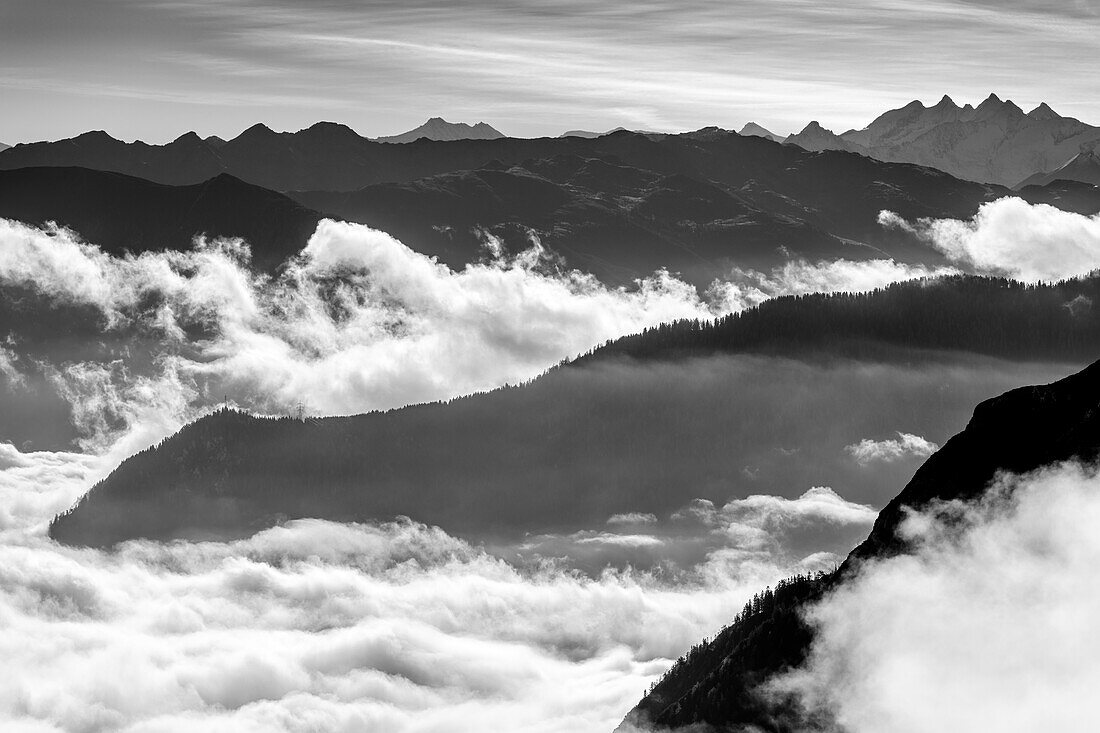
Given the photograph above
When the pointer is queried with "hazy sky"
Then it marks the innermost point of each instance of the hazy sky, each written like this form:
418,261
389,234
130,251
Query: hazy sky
153,69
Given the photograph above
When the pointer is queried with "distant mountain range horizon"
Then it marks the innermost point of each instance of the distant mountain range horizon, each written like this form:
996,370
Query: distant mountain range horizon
993,142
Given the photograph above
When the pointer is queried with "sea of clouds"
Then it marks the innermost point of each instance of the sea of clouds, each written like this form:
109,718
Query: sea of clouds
397,626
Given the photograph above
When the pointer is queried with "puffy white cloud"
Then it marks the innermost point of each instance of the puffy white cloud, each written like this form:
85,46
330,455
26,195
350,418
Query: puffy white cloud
906,445
986,626
1010,237
360,321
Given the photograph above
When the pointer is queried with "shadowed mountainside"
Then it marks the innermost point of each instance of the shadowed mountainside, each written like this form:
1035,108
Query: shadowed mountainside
717,683
619,206
590,439
121,213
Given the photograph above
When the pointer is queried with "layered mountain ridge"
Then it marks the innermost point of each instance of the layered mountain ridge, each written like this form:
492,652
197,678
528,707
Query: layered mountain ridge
619,206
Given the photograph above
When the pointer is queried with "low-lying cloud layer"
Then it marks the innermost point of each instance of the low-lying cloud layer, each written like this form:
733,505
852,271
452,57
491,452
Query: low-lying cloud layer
398,627
1010,237
987,626
360,321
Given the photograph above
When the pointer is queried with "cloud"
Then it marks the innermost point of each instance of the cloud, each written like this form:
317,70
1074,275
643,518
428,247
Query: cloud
9,370
358,322
316,625
895,449
986,626
1010,237
632,518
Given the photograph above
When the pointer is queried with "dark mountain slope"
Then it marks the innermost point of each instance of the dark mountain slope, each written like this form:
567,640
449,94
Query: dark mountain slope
121,213
1019,431
613,220
620,206
697,204
591,439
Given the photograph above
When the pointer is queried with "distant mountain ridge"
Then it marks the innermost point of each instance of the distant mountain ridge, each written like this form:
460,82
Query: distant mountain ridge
814,137
4,146
589,133
438,128
1083,167
995,142
751,128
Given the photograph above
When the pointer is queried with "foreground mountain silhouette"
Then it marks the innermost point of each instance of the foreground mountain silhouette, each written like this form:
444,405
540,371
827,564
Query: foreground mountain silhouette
995,142
125,214
438,128
718,682
587,440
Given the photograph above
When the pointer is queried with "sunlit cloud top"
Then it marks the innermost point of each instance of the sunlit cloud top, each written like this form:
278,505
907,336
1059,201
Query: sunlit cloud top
156,68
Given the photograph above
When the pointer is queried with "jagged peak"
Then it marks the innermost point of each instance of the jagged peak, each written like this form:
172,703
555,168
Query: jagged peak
1043,112
991,101
188,137
257,130
946,102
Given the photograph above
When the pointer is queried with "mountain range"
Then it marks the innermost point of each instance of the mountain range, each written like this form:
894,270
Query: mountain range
591,438
995,142
717,684
619,206
437,128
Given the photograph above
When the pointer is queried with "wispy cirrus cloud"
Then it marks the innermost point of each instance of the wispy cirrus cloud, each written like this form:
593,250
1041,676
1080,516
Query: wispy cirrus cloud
654,64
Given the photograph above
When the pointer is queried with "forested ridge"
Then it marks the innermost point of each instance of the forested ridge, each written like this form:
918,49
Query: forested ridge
592,437
718,679
987,315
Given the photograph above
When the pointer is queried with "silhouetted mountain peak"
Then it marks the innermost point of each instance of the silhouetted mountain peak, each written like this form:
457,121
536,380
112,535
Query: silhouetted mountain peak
437,128
753,129
259,131
946,102
332,132
1043,112
190,138
95,136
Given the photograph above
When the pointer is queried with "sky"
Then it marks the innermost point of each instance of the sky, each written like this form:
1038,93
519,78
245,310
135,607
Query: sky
154,69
